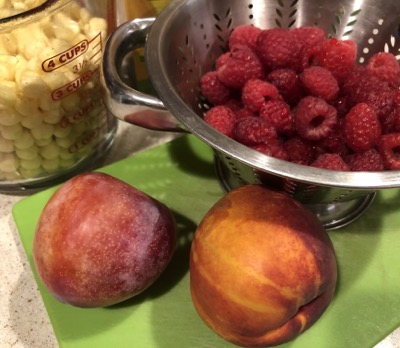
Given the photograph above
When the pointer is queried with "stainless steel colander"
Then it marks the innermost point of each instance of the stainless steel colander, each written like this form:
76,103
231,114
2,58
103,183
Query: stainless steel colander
182,43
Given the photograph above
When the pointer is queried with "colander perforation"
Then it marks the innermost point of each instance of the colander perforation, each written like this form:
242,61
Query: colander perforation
285,14
342,196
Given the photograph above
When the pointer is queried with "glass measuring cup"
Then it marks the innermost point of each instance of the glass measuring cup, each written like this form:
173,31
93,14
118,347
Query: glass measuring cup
53,123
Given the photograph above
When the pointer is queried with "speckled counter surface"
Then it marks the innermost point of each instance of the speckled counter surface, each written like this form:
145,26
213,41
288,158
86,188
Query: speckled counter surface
23,318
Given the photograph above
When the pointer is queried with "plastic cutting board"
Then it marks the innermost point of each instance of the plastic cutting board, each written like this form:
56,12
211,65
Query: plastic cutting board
365,309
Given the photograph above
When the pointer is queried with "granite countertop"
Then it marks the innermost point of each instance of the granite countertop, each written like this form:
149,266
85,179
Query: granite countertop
23,320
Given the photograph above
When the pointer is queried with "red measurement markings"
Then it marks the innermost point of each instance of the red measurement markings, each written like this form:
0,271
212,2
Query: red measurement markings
96,49
72,86
69,120
93,52
89,137
65,57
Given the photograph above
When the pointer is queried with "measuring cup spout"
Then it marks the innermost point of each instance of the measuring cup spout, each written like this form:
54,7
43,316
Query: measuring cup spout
118,78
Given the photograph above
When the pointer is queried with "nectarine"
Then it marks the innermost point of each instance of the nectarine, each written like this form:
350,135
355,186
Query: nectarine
100,241
262,267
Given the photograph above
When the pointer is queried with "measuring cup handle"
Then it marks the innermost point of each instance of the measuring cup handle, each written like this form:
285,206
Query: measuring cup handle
122,100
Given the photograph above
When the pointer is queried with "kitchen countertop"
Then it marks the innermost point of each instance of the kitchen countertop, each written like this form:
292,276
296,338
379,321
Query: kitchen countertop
23,318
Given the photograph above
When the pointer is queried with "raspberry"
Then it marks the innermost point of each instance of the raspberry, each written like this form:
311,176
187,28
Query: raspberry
314,118
308,36
390,123
276,48
361,128
364,88
360,86
395,113
278,113
244,35
308,57
338,56
273,149
234,104
253,130
299,150
388,148
213,89
308,40
287,83
385,66
319,82
369,160
334,142
244,112
242,65
352,81
255,92
222,59
331,161
221,118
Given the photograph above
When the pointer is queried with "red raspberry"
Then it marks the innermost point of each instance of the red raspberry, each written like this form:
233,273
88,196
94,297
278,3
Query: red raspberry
299,150
245,112
213,89
255,92
369,160
396,99
308,40
276,48
331,161
338,56
395,115
314,118
253,130
221,118
288,84
234,104
352,81
334,142
222,59
364,88
278,113
361,86
242,65
319,82
390,123
385,66
273,149
308,57
388,148
308,36
245,35
361,128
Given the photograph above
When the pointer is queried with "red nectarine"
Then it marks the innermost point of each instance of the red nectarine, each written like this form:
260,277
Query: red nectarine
100,241
262,267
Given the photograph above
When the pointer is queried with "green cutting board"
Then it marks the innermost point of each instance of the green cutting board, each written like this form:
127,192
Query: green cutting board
365,309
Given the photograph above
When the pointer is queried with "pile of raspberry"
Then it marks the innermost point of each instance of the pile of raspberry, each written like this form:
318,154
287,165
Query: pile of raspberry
297,95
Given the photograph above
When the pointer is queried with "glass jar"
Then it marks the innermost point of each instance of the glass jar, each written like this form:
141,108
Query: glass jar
53,123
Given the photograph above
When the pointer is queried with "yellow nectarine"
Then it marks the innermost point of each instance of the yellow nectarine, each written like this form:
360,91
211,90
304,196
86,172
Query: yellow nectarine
262,267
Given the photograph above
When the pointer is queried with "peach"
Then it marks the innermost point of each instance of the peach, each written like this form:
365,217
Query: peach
262,268
100,241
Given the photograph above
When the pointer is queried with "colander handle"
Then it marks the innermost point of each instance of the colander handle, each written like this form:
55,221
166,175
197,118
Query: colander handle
118,76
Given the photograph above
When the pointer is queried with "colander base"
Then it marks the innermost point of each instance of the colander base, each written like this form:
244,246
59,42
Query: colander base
332,215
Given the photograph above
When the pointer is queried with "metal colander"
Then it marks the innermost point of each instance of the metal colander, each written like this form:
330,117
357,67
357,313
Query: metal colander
182,43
